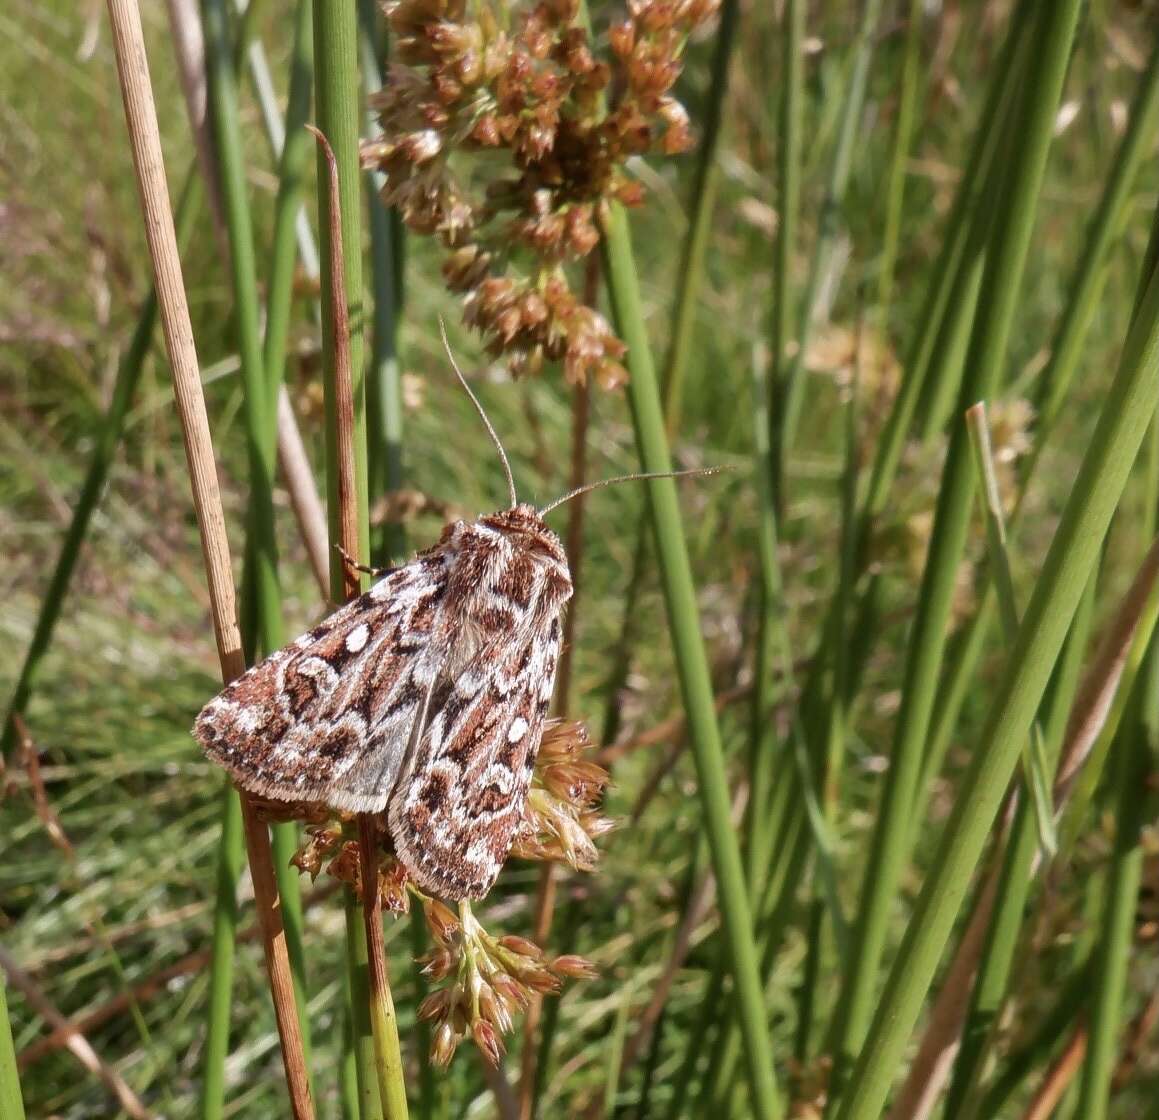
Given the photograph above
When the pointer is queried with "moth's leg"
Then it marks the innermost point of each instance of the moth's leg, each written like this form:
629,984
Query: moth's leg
353,565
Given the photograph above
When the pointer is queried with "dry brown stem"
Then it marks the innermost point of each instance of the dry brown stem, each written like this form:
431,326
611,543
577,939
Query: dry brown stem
144,138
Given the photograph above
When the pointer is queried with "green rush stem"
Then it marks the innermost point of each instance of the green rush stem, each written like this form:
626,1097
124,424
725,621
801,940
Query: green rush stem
691,661
949,276
1134,753
259,429
691,271
338,118
419,944
835,736
789,205
1129,405
11,1103
707,1016
104,450
384,1022
1036,775
790,387
288,214
895,181
292,168
1086,287
1054,386
701,203
761,746
890,844
1133,761
384,377
771,610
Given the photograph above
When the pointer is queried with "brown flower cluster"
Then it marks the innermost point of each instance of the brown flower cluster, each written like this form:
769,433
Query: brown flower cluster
489,980
561,820
498,140
333,848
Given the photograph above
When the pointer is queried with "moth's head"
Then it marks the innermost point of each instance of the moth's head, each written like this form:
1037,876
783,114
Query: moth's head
524,526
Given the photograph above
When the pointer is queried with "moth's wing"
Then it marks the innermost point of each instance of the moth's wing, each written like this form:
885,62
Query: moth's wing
460,799
330,717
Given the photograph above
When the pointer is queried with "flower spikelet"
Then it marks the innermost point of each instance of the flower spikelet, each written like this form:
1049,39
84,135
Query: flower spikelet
561,820
488,981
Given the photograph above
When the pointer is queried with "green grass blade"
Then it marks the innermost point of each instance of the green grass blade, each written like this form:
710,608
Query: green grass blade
927,639
691,662
1073,554
338,116
895,179
1035,767
11,1102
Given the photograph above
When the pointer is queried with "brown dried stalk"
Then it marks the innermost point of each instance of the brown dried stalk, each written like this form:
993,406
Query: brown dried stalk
1093,703
144,138
1058,1077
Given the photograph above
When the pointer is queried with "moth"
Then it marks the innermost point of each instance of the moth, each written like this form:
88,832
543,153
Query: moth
425,698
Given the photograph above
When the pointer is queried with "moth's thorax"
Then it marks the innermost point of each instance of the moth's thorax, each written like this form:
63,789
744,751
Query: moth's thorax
514,548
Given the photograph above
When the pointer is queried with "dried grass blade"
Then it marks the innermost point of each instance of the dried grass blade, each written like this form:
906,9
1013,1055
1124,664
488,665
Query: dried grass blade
141,116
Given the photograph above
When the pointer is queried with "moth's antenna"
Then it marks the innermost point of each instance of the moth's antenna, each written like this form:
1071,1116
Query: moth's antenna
627,478
482,414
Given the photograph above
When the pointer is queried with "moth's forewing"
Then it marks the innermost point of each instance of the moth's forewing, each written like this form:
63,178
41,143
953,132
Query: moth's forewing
328,717
460,799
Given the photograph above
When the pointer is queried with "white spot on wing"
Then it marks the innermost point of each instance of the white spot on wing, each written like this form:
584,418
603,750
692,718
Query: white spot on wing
249,720
517,730
358,637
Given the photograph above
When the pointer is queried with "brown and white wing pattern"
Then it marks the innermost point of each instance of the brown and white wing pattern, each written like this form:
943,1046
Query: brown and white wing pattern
425,697
329,717
460,798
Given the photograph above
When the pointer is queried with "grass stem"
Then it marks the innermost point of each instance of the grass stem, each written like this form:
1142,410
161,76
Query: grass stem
691,663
